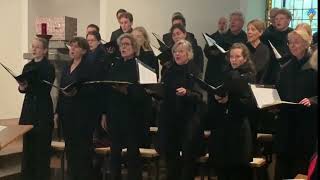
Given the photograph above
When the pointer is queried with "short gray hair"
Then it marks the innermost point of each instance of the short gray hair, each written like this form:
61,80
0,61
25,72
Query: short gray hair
186,45
237,13
133,42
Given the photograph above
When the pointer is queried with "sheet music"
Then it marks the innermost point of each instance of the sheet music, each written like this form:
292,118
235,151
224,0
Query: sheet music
155,50
9,70
267,96
212,42
2,128
275,51
146,75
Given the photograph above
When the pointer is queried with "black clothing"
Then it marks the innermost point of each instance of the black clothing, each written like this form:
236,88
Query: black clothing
261,58
296,133
37,110
280,41
183,113
198,60
77,116
115,34
216,69
126,119
231,141
149,59
167,39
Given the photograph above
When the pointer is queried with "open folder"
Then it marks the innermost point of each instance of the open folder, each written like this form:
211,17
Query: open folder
266,96
161,43
25,76
211,42
219,90
146,77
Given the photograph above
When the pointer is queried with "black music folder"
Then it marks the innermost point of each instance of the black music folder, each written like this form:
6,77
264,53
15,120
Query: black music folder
211,42
267,96
146,77
25,76
219,90
163,46
77,85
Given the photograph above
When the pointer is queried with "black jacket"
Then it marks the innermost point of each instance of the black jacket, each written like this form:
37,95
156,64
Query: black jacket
149,59
115,34
127,114
280,41
261,58
167,39
37,106
180,112
296,131
76,113
217,64
231,138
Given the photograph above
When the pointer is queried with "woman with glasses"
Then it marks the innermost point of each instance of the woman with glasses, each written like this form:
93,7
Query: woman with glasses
296,133
124,114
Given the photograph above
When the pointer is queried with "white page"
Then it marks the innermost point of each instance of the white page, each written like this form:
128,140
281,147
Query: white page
275,51
2,128
212,42
155,50
209,40
266,96
146,76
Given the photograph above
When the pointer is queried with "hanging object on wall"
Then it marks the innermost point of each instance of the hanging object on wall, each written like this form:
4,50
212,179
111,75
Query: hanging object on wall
311,13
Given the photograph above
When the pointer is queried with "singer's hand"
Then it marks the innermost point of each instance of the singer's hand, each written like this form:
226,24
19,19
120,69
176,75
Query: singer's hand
181,91
23,85
306,102
221,100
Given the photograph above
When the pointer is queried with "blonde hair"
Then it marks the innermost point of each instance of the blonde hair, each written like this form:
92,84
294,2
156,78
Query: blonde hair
258,24
184,44
146,44
134,43
301,32
306,27
314,60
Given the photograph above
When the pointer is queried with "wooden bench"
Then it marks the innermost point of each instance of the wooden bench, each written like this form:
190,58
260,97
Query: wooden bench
150,155
59,147
301,177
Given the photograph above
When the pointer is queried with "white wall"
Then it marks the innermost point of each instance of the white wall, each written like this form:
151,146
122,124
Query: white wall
155,15
11,13
253,10
86,12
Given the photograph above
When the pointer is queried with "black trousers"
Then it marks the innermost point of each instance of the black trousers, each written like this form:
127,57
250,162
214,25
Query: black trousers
126,134
180,134
36,153
235,172
287,167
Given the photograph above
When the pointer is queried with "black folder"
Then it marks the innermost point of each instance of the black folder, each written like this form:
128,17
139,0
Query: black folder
163,46
25,76
77,85
219,90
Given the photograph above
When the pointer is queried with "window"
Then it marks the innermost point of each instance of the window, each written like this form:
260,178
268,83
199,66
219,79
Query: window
302,11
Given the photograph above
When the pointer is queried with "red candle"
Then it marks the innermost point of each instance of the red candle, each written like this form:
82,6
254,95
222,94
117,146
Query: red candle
44,28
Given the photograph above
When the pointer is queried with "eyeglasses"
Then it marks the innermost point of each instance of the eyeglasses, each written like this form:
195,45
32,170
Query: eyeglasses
125,44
